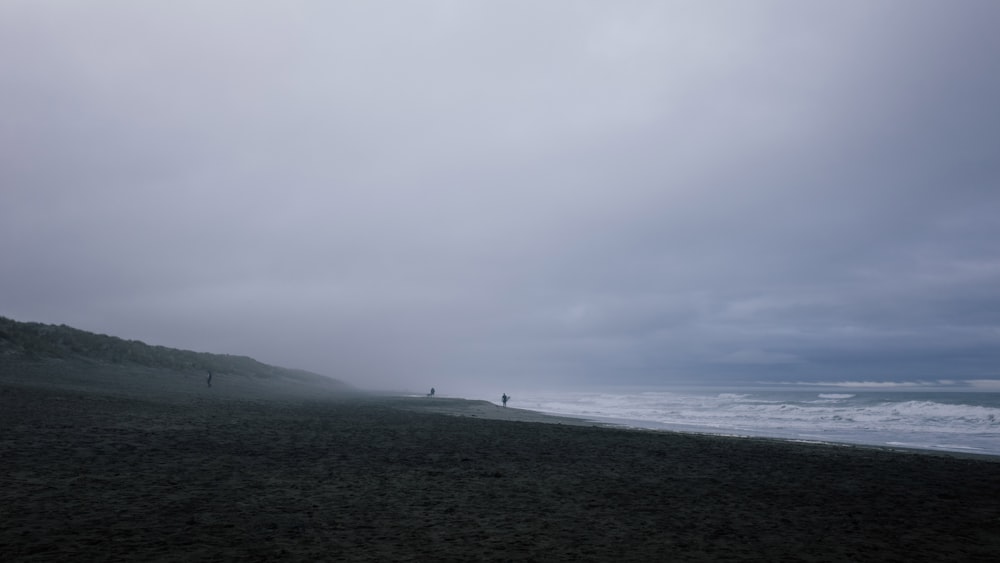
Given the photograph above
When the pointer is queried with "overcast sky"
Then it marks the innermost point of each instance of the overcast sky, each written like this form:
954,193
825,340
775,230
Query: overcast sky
504,195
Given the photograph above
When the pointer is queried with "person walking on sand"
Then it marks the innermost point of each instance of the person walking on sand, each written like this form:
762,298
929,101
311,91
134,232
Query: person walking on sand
431,394
209,380
504,400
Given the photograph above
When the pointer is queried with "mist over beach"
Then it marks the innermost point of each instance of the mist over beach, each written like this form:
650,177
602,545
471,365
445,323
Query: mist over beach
127,459
370,281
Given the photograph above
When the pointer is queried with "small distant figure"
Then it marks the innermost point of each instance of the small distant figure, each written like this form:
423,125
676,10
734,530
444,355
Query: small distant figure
504,400
209,380
431,394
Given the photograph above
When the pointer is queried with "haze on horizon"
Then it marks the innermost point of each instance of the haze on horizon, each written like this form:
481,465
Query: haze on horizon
479,195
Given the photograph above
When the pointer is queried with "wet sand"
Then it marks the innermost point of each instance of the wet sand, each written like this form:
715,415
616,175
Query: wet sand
99,476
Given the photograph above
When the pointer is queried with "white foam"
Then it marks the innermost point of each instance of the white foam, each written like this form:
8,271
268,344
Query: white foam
854,418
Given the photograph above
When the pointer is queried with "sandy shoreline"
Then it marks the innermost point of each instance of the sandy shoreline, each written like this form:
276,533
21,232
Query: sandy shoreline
491,411
481,409
93,476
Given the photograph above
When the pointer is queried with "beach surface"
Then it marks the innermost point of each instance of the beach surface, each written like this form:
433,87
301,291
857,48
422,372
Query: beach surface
183,472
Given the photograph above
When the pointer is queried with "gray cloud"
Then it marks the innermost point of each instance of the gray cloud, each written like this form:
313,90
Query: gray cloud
458,193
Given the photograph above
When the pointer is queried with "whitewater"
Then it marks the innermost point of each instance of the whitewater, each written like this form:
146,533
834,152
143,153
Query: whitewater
941,421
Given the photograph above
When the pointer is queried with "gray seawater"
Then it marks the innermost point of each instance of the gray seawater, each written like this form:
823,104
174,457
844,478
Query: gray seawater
942,421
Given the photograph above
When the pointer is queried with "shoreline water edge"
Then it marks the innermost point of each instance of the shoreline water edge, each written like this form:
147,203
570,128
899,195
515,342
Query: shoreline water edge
949,422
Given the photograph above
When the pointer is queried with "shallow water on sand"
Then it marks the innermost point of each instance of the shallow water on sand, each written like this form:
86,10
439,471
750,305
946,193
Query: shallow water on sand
943,421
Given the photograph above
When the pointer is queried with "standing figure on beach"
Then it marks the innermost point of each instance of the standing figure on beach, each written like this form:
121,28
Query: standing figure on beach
504,400
431,394
209,380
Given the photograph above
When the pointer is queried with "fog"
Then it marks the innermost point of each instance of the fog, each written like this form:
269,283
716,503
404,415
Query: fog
493,196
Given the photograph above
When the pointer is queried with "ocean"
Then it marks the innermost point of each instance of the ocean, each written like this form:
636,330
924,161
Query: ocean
928,420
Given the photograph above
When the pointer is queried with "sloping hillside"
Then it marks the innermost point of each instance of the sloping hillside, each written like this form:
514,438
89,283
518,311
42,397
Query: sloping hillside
26,344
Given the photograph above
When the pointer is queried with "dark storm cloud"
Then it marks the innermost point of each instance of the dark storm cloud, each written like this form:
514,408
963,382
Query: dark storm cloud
549,193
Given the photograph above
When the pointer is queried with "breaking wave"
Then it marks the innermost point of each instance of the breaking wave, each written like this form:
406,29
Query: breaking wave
953,421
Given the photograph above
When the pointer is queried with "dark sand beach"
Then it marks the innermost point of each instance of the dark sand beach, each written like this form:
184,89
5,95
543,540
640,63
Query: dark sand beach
187,473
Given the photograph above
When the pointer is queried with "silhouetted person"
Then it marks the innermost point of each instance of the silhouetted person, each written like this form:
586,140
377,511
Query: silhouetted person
431,394
504,399
209,380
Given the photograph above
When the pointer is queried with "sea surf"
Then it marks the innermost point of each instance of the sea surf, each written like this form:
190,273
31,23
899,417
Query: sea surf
966,422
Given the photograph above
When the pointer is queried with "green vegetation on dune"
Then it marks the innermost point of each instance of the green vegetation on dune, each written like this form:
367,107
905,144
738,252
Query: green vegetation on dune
38,341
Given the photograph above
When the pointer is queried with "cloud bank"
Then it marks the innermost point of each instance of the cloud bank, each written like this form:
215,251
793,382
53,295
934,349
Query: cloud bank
467,194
